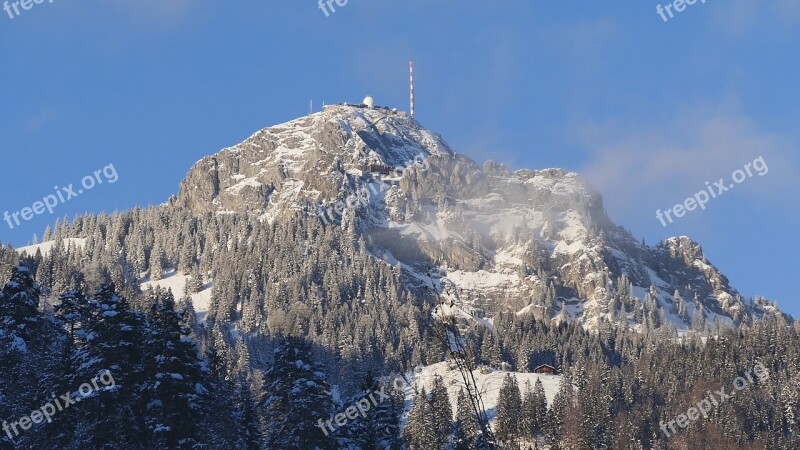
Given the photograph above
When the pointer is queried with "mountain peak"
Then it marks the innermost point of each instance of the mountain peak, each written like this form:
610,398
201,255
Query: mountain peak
307,154
479,237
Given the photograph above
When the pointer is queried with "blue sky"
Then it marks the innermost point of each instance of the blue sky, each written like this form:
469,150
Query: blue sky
647,110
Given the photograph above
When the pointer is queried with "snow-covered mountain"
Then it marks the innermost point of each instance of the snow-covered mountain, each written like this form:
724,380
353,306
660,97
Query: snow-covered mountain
483,238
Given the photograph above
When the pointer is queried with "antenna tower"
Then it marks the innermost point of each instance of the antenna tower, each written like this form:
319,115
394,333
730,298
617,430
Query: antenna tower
411,76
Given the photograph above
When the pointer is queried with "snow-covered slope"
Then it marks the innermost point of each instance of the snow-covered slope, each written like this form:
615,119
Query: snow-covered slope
176,282
481,238
488,381
45,247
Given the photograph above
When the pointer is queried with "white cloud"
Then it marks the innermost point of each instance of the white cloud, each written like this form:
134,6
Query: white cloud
640,169
789,9
40,119
740,17
590,39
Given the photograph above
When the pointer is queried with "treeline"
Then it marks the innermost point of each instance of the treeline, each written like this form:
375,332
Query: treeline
163,396
294,277
337,318
619,387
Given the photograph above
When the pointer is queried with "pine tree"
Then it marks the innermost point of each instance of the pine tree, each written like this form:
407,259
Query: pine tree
682,311
176,388
297,400
195,280
528,414
490,351
699,316
74,314
509,406
540,407
638,311
557,413
652,310
419,433
389,414
249,429
20,309
441,413
24,350
381,426
157,263
118,345
365,429
466,434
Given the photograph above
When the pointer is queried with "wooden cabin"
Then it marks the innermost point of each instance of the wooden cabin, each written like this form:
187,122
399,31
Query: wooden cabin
545,369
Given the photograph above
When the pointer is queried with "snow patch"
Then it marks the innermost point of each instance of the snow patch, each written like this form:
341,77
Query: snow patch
45,247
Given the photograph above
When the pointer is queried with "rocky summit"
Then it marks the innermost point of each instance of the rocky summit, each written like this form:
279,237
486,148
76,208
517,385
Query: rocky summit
481,238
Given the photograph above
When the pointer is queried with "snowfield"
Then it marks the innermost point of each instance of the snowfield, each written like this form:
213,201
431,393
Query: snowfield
488,384
175,281
45,247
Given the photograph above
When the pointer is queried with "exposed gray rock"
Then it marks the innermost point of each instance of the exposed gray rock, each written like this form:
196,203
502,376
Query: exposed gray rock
495,240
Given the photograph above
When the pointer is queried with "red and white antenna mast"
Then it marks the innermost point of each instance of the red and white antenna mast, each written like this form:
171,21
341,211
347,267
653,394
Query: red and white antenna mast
411,75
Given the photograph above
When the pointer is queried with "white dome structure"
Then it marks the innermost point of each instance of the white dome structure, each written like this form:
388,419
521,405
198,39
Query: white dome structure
369,101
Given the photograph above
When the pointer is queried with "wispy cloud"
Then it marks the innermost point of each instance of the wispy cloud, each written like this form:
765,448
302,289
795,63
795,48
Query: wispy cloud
639,169
40,119
590,39
789,9
741,17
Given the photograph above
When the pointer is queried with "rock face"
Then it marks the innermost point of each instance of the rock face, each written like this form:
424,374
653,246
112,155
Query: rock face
307,158
482,237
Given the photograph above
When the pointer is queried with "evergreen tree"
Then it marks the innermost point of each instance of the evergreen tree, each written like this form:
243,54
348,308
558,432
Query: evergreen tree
381,426
509,406
419,433
539,407
296,399
74,314
365,429
490,351
157,263
527,423
698,317
249,429
118,348
20,309
557,413
195,280
441,413
466,434
24,336
176,387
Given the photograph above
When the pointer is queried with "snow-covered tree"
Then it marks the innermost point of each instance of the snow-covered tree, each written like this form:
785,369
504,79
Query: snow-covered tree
296,399
509,408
